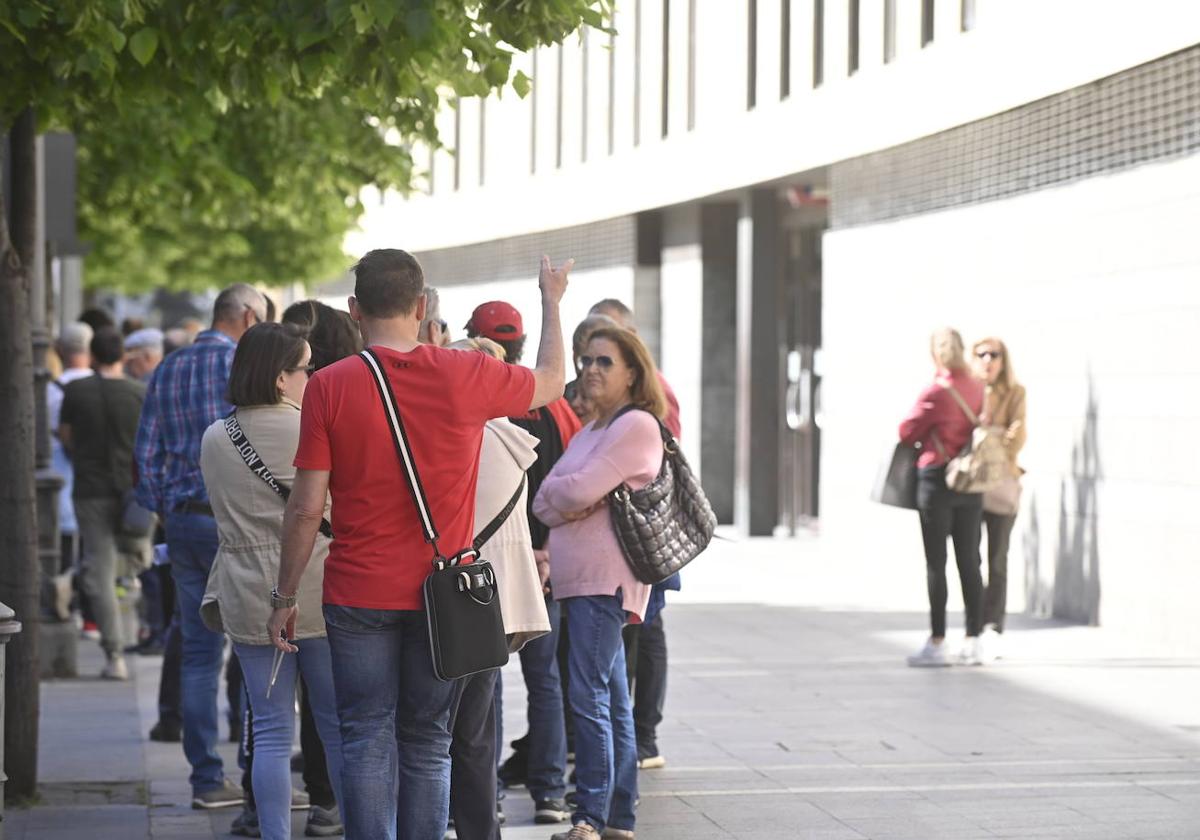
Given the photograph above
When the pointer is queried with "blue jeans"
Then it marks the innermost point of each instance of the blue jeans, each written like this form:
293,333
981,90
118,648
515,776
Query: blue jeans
395,717
274,725
192,545
605,746
547,730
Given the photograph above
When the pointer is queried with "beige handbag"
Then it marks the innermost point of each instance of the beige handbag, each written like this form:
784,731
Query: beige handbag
1003,498
983,462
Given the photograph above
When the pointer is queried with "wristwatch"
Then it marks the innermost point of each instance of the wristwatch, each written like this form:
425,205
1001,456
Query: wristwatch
281,602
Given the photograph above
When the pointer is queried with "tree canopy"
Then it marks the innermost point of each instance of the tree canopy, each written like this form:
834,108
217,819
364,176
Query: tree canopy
222,141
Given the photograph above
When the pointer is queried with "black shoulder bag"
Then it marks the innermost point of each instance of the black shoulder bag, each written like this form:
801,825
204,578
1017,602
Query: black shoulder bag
462,604
259,467
664,525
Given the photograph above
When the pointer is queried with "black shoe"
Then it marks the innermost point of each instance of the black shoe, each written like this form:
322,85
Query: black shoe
571,800
246,824
550,811
514,772
166,733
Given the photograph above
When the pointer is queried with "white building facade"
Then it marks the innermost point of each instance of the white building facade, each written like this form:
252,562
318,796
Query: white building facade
792,194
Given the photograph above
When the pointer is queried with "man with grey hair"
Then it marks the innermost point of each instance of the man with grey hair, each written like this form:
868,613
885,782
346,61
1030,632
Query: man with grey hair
433,329
72,347
144,352
185,396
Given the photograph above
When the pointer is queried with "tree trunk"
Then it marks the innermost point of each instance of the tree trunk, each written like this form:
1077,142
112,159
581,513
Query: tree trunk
20,569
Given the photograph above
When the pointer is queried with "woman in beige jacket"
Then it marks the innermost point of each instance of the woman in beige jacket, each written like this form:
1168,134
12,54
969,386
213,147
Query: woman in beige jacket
238,455
1004,406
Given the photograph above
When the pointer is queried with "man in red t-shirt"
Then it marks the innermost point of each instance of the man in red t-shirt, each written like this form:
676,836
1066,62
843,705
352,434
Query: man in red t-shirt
394,711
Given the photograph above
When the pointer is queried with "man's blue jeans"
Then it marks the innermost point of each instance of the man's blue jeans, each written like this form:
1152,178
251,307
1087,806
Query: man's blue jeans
192,545
547,731
395,716
274,725
605,746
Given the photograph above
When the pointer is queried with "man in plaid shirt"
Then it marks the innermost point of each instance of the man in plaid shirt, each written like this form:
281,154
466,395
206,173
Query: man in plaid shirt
185,396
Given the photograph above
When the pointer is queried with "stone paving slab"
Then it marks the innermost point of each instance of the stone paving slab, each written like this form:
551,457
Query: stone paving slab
780,720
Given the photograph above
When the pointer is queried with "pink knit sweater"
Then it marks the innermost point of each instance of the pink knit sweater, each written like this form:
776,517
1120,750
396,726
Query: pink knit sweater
585,558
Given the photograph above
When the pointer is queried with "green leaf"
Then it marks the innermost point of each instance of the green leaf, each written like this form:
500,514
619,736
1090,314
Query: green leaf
143,45
364,18
522,84
16,33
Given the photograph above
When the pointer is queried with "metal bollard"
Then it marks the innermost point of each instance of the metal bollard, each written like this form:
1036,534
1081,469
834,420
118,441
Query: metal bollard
9,627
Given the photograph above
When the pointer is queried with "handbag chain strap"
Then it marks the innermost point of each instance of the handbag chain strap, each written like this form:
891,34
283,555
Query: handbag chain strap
259,467
408,464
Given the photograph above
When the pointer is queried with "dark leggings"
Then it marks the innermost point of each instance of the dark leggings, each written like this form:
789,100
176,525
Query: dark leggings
999,529
957,516
646,668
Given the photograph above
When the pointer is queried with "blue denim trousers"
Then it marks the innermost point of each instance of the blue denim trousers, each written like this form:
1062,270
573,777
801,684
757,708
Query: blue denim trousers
395,716
192,546
547,730
274,725
605,745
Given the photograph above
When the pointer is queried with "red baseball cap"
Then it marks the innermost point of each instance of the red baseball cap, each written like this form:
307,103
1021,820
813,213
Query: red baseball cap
496,320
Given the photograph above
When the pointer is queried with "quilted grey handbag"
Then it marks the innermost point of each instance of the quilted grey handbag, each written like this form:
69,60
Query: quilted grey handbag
663,526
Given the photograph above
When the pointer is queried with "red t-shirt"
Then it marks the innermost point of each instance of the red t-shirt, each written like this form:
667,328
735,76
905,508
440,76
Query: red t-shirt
379,556
937,413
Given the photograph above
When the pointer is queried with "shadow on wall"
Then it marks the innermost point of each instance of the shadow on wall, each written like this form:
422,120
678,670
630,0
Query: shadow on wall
1073,593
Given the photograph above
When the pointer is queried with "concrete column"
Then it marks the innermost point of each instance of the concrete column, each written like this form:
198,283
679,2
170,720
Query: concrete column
718,365
647,282
759,365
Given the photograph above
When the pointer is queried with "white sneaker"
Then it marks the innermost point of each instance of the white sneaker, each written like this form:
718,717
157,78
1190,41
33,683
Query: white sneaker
115,669
932,655
971,653
992,644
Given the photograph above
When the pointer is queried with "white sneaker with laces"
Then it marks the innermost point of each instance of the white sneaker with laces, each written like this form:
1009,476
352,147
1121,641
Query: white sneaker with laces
932,655
115,669
971,653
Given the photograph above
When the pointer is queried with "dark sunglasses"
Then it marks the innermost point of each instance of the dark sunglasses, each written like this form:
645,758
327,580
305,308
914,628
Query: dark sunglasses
987,355
308,369
602,362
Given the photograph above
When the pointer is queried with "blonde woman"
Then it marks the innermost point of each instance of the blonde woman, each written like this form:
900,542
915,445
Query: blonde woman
942,428
1005,407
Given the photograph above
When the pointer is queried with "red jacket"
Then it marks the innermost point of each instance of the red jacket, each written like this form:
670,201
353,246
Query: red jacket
936,411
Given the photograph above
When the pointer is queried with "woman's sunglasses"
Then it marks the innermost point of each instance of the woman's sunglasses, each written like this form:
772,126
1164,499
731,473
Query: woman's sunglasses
988,355
308,369
602,362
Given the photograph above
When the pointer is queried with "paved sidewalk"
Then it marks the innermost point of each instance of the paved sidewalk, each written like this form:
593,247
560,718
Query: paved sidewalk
781,721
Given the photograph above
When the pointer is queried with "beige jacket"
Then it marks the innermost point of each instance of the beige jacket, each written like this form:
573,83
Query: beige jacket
249,518
1007,410
507,452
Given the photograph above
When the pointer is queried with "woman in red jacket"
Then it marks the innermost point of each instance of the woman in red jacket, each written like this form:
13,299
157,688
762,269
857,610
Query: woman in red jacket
942,429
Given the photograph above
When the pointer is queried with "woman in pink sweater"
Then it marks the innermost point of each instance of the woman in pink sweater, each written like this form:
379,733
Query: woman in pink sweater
588,572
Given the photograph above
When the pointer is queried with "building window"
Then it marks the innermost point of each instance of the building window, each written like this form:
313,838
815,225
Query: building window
457,143
968,15
818,37
926,22
852,52
612,87
558,115
666,64
583,96
889,30
637,72
482,138
785,49
533,109
691,80
751,54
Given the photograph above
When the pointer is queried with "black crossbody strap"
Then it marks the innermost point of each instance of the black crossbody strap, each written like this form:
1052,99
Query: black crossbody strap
492,527
408,463
259,467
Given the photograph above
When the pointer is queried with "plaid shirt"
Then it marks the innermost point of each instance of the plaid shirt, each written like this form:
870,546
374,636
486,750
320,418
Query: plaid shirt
185,396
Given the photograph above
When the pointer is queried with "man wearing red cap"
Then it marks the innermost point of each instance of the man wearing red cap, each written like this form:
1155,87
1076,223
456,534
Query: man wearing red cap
553,425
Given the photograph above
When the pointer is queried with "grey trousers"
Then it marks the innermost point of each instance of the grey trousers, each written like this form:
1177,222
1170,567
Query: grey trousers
106,556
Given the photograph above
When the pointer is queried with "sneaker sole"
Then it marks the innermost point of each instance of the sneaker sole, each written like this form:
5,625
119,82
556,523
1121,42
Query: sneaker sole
550,817
324,831
202,805
652,763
